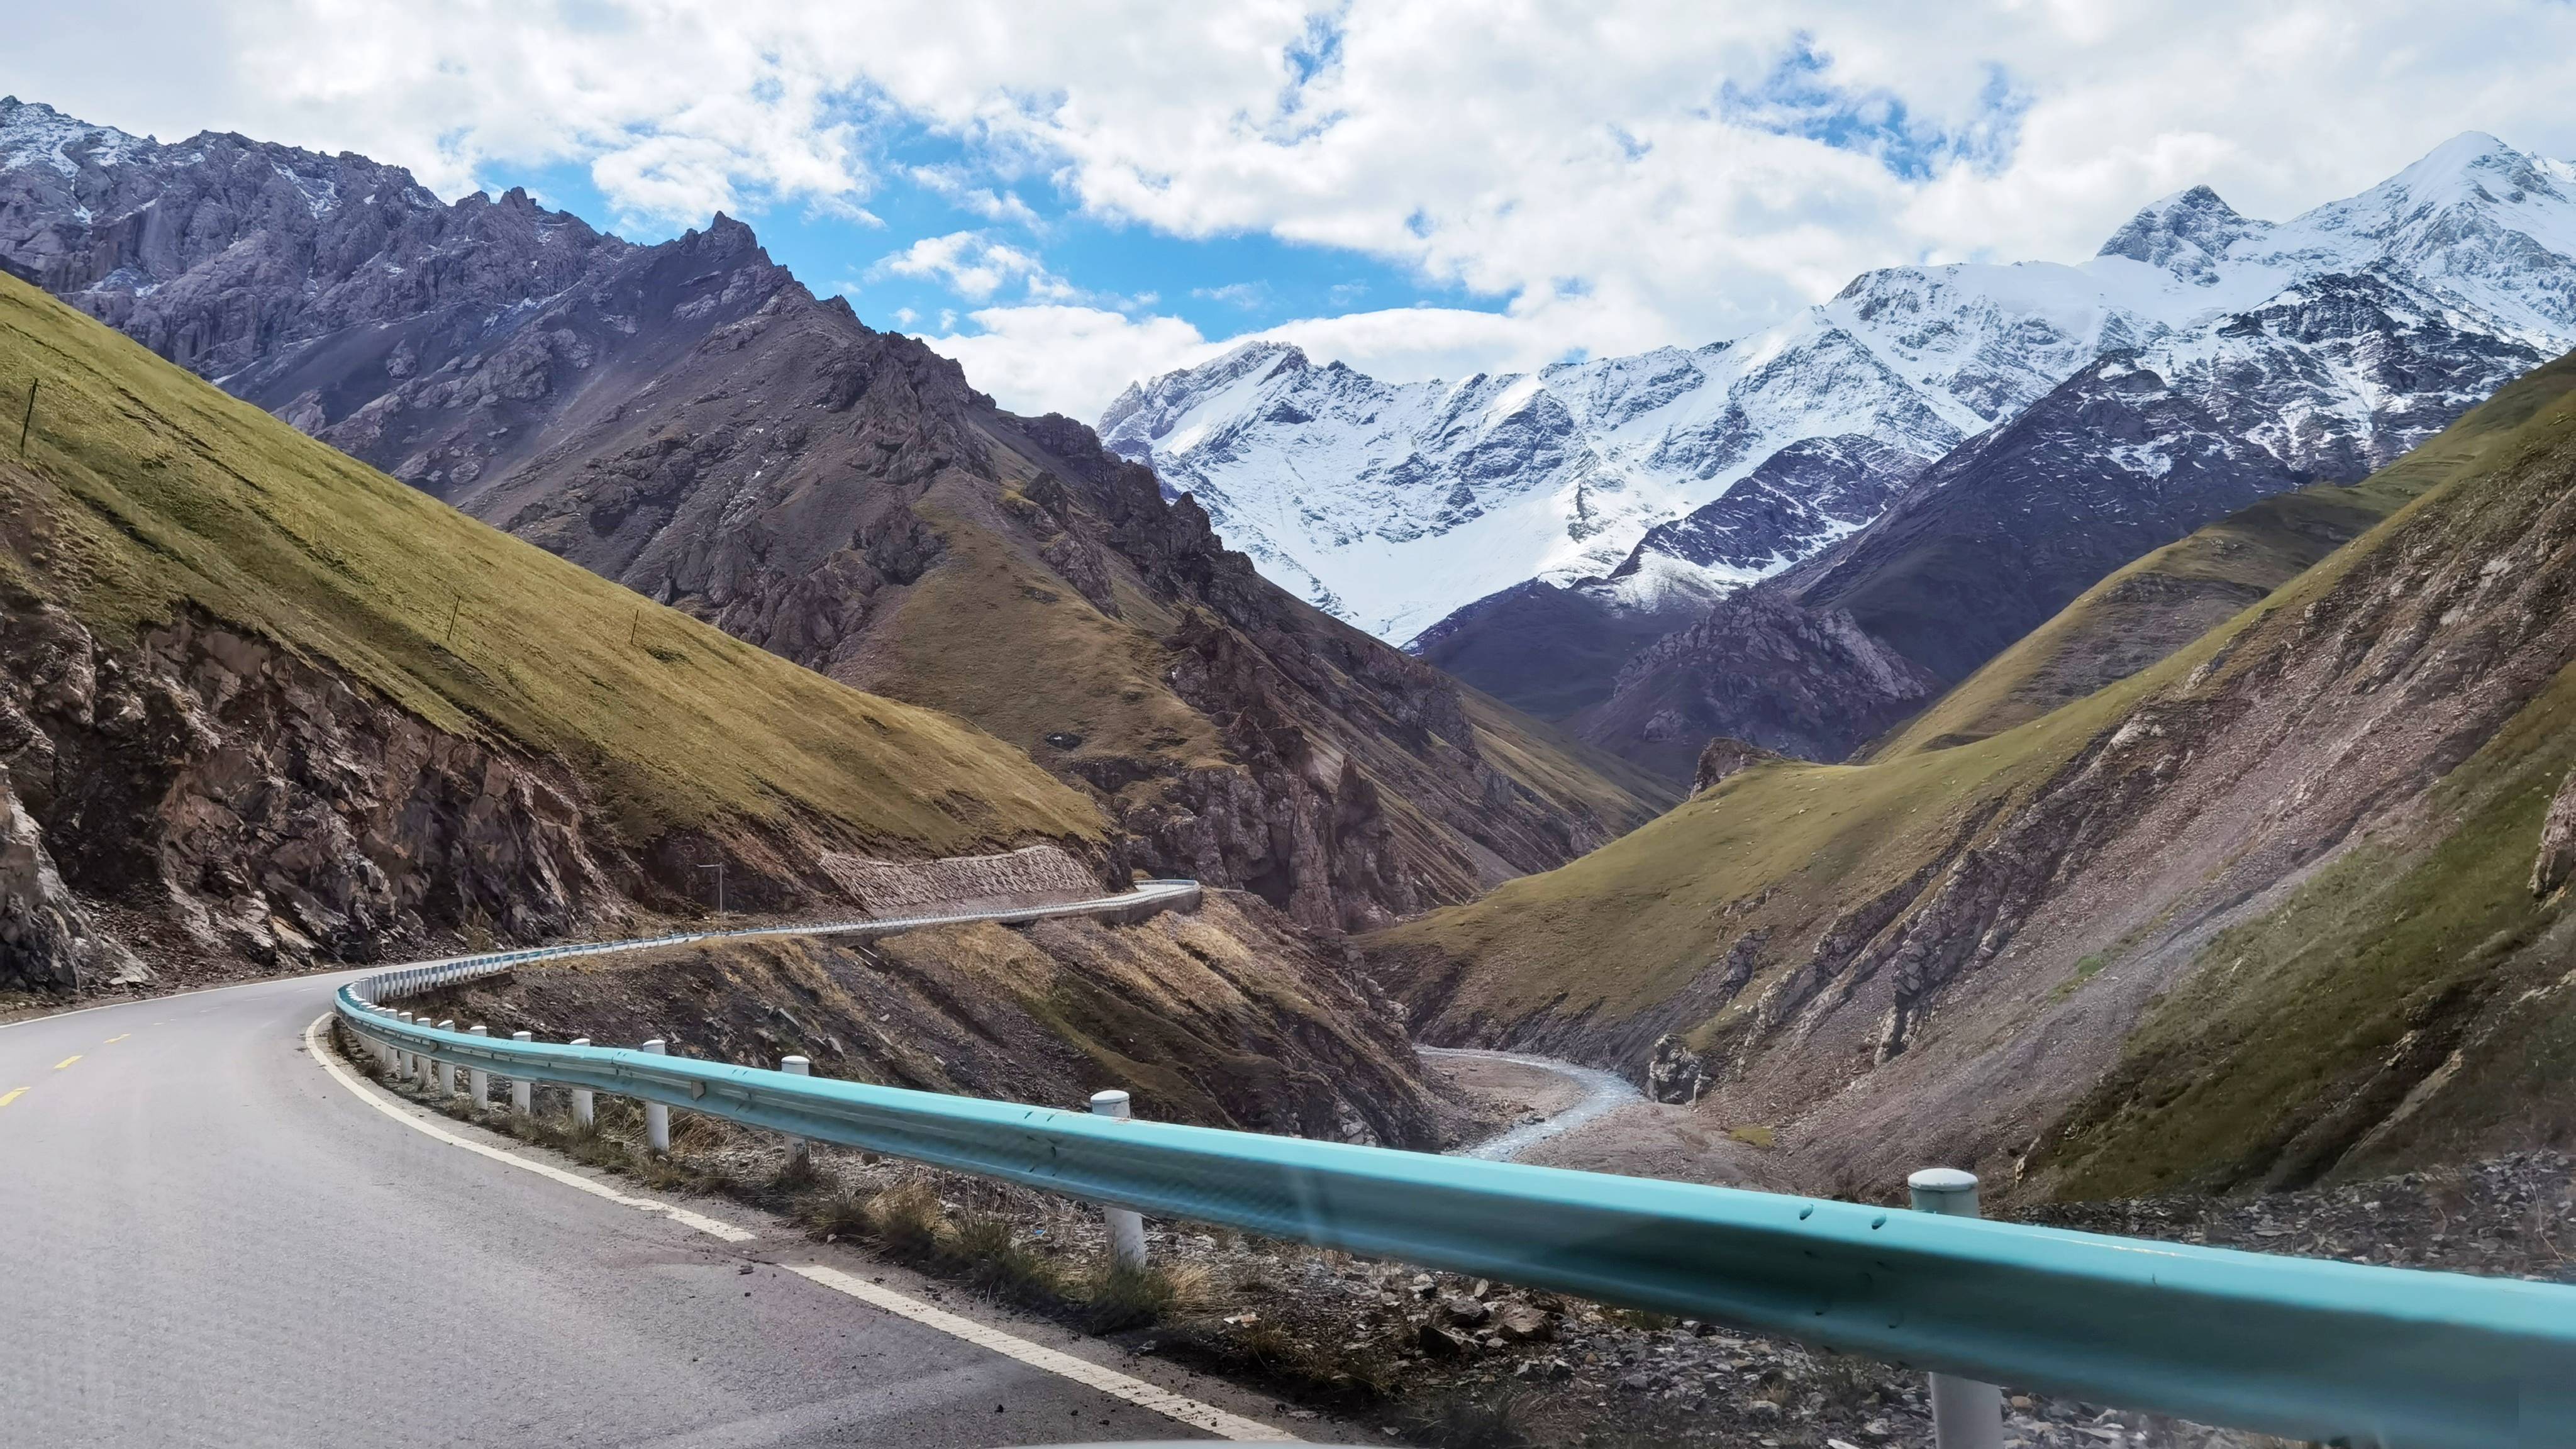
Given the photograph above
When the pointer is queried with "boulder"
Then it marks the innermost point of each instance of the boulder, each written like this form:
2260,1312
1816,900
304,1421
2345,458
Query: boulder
1674,1073
46,940
1522,1323
1464,1311
1440,1342
2557,859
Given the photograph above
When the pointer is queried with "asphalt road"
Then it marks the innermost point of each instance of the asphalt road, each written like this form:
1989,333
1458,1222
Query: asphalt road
207,1239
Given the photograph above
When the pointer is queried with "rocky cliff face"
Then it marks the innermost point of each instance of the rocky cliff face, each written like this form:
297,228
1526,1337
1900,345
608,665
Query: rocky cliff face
222,801
2555,864
690,421
1803,681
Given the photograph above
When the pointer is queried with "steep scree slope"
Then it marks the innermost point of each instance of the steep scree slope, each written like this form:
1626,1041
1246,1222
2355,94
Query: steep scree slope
263,703
2262,912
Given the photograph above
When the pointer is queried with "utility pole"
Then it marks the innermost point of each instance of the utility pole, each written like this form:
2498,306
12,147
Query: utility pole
719,869
632,625
452,611
28,421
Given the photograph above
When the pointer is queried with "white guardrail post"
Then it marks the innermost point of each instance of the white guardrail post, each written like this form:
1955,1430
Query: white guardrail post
585,1109
1126,1229
523,1093
443,1074
409,1065
795,1067
1965,1413
479,1088
657,1118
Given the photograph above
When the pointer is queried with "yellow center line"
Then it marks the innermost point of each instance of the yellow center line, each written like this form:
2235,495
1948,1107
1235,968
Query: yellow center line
12,1095
67,1061
120,1036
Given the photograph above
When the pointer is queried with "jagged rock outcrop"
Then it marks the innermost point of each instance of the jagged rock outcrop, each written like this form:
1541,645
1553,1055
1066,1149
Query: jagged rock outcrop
259,809
1724,757
2556,862
1674,1073
1762,669
47,941
259,263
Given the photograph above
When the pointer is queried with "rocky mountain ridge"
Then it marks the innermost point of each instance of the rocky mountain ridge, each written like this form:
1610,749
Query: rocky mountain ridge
1949,454
1395,504
689,420
246,722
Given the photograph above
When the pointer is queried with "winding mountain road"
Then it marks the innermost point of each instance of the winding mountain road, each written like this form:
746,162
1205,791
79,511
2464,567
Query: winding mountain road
207,1237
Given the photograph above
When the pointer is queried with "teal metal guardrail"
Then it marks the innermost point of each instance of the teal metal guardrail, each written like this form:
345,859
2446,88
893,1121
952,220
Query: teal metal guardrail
2306,1348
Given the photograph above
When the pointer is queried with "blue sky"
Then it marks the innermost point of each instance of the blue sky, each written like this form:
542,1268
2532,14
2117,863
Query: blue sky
1224,285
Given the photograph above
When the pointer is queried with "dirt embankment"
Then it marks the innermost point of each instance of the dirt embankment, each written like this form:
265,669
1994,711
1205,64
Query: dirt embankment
1232,1017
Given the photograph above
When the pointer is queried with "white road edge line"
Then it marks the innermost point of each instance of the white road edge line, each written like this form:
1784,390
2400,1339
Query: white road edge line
418,1120
1197,1415
1082,1371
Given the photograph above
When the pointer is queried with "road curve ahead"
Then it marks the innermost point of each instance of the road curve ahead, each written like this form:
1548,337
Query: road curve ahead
207,1238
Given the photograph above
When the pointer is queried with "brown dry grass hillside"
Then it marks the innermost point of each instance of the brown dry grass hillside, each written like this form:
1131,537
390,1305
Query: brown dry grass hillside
2261,912
261,700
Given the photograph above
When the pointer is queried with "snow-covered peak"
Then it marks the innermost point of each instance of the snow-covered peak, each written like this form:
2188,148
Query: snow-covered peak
35,134
1150,413
1396,504
2189,234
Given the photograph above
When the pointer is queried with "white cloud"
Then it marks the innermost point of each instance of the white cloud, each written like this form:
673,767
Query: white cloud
1067,359
973,266
955,185
1626,174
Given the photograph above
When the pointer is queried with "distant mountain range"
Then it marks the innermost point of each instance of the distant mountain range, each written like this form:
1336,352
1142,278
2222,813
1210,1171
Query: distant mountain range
1946,453
2288,902
689,420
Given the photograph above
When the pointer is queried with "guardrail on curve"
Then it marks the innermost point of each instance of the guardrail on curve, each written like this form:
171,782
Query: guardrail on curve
2307,1348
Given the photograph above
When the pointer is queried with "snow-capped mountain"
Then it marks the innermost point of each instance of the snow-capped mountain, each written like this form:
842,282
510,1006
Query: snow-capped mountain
1393,505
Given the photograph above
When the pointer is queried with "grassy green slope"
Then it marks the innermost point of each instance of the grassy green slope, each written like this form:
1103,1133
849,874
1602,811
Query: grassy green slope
2405,1004
2269,1064
146,492
1789,846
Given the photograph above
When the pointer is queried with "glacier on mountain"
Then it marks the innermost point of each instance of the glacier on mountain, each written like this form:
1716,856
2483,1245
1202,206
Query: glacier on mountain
1394,504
